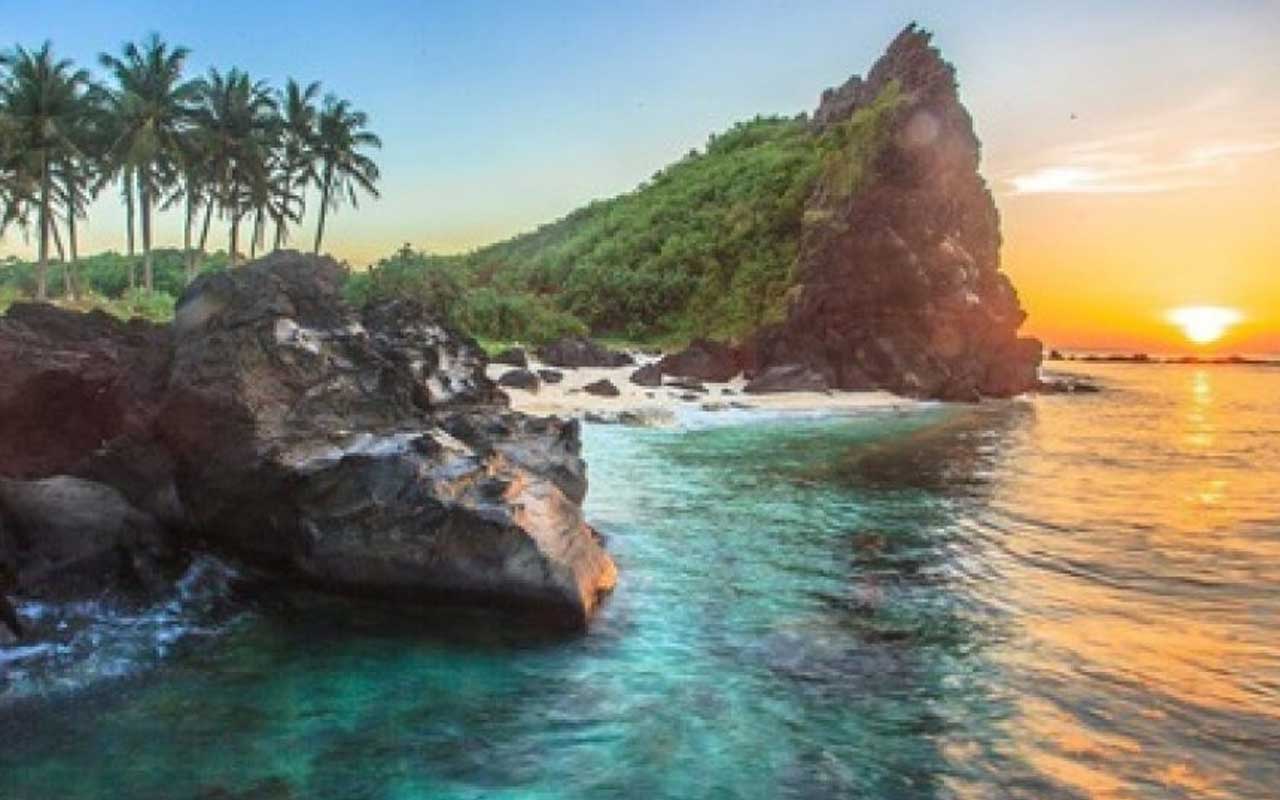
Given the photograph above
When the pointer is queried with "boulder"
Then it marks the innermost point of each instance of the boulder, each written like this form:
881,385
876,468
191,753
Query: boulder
787,378
310,438
602,388
703,360
519,379
648,375
512,356
579,351
359,451
688,385
550,375
72,537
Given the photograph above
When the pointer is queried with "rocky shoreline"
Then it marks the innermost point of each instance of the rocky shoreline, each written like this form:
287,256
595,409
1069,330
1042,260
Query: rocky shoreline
361,452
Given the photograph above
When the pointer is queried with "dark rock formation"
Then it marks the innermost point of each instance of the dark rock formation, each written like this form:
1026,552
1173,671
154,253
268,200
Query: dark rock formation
648,375
512,357
703,360
602,388
899,277
519,379
363,452
550,375
688,385
787,378
577,351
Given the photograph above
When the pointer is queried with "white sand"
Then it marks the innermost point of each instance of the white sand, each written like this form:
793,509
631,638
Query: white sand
666,405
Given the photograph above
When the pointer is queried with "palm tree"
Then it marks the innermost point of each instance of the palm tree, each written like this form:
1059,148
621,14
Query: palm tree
341,135
297,151
152,103
236,121
44,100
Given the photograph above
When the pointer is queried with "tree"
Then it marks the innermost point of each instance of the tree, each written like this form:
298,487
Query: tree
44,100
152,104
236,119
297,150
341,135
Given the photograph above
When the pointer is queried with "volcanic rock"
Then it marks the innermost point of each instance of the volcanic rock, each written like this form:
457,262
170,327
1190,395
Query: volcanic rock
787,378
602,388
703,360
578,351
519,379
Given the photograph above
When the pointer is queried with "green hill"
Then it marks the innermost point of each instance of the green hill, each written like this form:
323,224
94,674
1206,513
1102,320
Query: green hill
707,246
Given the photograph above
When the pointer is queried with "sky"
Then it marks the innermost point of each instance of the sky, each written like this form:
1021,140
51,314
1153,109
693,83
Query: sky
1133,148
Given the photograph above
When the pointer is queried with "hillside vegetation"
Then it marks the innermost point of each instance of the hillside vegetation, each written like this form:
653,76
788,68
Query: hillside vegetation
706,247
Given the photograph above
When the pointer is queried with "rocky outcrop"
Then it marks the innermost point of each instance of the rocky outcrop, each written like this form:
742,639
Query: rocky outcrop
899,270
551,375
703,360
364,452
578,351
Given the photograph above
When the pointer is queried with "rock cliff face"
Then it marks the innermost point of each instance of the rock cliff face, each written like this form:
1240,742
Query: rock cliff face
363,452
899,281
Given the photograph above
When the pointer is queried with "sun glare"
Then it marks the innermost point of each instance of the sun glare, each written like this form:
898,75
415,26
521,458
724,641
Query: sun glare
1204,324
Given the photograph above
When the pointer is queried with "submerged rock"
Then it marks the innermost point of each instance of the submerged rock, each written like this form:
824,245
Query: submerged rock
363,452
900,285
579,351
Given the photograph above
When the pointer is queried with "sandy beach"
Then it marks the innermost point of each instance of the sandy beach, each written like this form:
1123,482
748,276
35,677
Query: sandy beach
644,405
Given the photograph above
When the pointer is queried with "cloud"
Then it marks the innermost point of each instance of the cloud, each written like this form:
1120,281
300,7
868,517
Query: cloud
1146,160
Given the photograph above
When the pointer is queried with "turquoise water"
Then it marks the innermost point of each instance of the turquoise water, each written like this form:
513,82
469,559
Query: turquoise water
1063,597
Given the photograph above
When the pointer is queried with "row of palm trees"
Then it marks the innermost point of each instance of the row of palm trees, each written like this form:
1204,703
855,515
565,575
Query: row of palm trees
222,144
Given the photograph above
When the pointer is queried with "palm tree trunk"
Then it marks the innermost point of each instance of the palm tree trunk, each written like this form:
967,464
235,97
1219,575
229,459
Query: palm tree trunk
257,234
324,206
235,237
42,265
72,268
279,234
144,200
128,214
57,239
204,230
188,257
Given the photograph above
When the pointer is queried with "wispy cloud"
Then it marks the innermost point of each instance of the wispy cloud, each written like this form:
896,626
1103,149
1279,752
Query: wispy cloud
1185,149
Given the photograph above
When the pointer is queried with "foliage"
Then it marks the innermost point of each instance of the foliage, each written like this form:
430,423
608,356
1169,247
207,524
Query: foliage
105,275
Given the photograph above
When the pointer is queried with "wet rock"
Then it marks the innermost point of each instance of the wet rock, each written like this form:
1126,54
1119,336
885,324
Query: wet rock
1067,384
602,388
579,351
519,379
512,356
648,375
787,378
688,385
703,360
551,375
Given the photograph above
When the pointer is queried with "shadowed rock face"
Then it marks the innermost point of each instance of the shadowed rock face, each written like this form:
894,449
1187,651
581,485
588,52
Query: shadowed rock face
364,452
900,283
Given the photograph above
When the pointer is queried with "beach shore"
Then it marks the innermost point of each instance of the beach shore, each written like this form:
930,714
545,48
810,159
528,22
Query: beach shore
645,405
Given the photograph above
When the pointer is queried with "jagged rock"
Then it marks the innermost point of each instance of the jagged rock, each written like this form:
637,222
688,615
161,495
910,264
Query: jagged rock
602,388
578,351
519,379
648,375
364,452
550,375
1067,384
703,360
787,378
899,280
512,356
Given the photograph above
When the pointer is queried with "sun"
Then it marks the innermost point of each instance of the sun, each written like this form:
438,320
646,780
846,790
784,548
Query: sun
1204,324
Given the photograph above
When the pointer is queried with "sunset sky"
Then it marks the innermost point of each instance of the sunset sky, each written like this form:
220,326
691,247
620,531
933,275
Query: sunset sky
1134,152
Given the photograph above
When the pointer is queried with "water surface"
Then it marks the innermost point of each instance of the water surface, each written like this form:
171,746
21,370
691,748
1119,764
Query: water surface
1056,598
